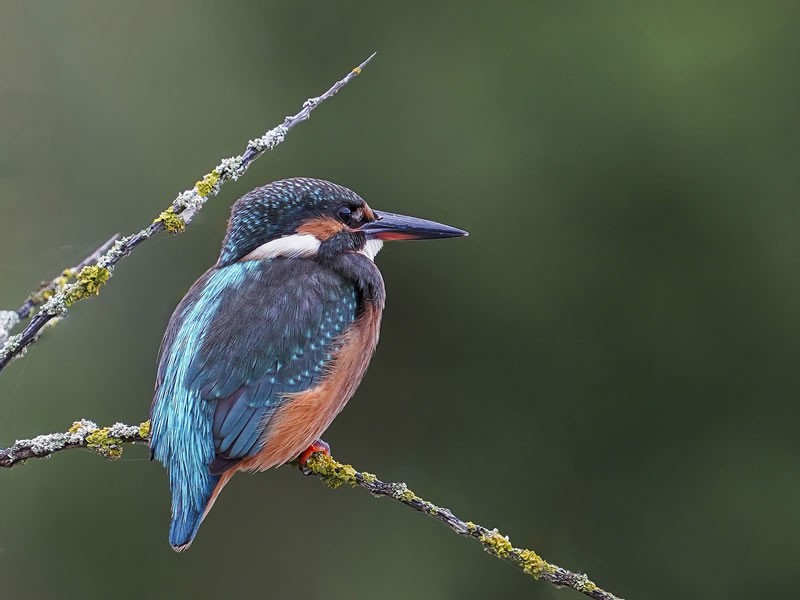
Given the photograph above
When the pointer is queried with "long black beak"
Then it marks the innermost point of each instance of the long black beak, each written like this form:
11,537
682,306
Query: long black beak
389,226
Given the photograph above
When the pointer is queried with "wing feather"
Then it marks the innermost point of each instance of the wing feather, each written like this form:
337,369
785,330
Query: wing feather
272,335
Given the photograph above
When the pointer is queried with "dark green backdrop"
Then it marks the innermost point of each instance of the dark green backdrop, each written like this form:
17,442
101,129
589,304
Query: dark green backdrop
606,369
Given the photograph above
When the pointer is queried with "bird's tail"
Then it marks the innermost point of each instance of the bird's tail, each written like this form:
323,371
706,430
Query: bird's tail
188,511
187,517
188,454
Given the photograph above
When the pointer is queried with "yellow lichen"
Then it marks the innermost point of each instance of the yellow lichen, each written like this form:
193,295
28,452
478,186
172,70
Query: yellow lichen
331,471
206,185
105,445
88,282
408,496
471,527
144,429
172,222
357,71
368,477
496,544
533,564
76,427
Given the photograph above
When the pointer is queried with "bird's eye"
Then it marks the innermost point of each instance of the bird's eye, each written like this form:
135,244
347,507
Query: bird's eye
345,214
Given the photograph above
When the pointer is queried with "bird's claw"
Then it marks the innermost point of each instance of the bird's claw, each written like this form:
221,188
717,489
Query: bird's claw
316,446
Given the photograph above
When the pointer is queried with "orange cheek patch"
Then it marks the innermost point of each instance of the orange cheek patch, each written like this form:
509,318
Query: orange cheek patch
322,228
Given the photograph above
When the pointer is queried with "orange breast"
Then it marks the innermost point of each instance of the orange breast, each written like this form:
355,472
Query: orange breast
306,416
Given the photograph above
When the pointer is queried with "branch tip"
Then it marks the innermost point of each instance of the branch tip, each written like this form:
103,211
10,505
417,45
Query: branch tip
357,70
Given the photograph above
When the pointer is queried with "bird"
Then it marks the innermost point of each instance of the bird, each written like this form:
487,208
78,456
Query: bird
269,344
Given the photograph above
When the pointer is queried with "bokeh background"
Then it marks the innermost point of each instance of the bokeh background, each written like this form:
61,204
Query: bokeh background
606,369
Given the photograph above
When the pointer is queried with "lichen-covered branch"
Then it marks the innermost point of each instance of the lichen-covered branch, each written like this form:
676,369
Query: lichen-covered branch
495,543
85,282
46,290
108,442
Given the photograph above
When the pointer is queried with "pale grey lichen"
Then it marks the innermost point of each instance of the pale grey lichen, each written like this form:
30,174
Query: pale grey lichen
117,251
270,139
582,581
52,442
231,168
120,430
80,429
8,320
47,444
11,346
187,204
398,490
56,306
105,441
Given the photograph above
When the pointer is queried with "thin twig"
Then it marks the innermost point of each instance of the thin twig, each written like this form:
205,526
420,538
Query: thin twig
108,442
47,289
181,212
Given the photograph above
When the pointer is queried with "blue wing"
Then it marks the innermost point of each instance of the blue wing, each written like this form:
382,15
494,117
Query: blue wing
272,334
243,337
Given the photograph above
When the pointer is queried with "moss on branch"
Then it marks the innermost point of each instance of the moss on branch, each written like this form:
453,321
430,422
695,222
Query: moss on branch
109,441
87,283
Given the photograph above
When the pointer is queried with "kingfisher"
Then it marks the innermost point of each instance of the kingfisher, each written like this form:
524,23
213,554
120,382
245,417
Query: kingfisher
270,343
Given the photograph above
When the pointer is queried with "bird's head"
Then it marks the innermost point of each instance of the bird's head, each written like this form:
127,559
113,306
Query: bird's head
309,217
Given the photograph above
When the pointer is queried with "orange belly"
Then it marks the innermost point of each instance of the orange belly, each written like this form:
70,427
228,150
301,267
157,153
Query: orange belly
306,415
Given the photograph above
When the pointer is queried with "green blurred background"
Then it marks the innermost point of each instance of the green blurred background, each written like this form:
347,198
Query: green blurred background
606,369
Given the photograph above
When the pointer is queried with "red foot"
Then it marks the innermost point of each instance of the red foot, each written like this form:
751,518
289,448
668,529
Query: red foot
316,446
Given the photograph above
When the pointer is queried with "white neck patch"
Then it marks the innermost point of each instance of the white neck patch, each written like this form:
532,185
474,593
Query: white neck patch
303,245
371,249
291,246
